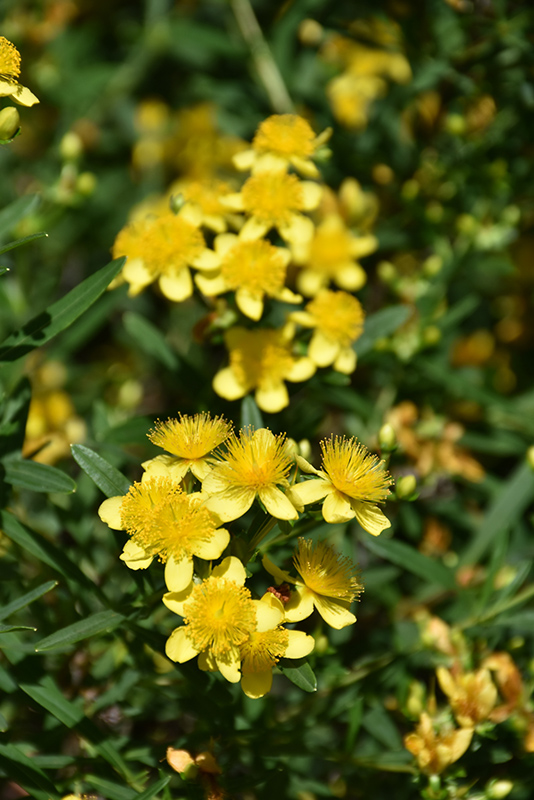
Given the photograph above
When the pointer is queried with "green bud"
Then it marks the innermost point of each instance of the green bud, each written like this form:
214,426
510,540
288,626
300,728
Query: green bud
387,272
431,335
530,456
9,123
455,124
176,202
432,265
405,487
499,789
71,146
387,439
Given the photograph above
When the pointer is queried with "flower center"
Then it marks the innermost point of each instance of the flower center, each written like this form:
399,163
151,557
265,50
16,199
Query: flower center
9,60
206,194
285,135
263,650
255,460
260,358
166,243
338,315
192,437
220,615
330,249
255,265
272,197
325,572
354,471
165,521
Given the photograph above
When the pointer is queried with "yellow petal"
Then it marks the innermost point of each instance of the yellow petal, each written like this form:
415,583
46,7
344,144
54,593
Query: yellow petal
165,466
179,646
298,230
24,97
207,260
285,295
279,575
256,684
175,601
226,385
305,167
335,614
346,361
336,508
272,600
244,160
232,201
370,517
268,616
232,569
110,512
311,491
300,604
272,397
178,286
179,572
134,556
270,162
311,194
231,505
253,229
137,275
322,350
249,303
446,681
350,277
364,246
277,504
206,662
302,369
200,468
310,282
300,645
211,285
229,666
305,466
213,548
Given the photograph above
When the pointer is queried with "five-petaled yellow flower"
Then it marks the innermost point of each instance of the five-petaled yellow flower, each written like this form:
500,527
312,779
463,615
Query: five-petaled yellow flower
351,483
9,72
327,583
164,522
338,321
190,439
260,361
283,140
255,464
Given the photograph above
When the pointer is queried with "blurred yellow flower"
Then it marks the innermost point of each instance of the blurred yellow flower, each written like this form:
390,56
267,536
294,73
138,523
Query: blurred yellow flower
254,465
337,318
435,751
331,256
203,198
162,521
9,72
162,248
190,439
250,268
260,361
351,483
327,583
472,695
283,140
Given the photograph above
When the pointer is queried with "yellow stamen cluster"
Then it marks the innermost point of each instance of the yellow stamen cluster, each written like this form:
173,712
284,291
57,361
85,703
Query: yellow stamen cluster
163,520
263,650
263,355
354,471
9,60
325,572
219,615
255,265
273,197
190,437
285,135
338,315
255,463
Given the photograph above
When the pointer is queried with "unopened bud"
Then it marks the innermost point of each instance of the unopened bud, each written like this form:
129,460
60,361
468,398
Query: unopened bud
9,123
71,146
405,487
176,202
499,789
387,272
310,32
431,335
432,265
455,124
86,183
181,761
387,439
530,456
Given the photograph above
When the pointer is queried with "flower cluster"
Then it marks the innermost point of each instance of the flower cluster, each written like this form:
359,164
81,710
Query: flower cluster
210,476
10,88
268,233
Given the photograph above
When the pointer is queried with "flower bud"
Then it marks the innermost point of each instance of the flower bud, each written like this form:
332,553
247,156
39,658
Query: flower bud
405,487
387,439
71,146
9,123
499,789
182,761
530,456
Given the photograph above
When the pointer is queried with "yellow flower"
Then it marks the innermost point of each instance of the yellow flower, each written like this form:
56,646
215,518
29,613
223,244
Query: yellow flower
219,616
204,201
327,583
261,360
352,481
255,465
9,72
338,321
436,751
275,199
330,256
250,268
280,141
162,248
472,695
190,439
165,522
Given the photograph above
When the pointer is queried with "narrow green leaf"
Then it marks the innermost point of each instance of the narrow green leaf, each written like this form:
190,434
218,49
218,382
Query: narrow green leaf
29,474
20,768
109,789
101,622
47,695
24,240
16,211
250,413
3,270
378,723
10,628
26,599
59,315
150,339
3,723
153,790
108,479
514,497
300,673
412,560
14,418
382,323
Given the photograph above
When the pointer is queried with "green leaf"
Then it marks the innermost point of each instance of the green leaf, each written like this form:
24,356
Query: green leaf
250,413
16,211
20,768
378,723
382,323
24,240
14,418
514,497
412,560
153,790
108,479
300,673
26,599
3,270
59,315
149,339
101,622
10,628
47,695
38,477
